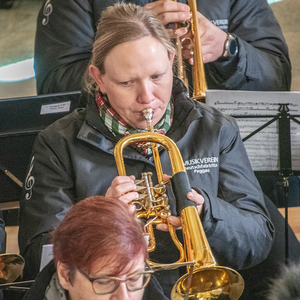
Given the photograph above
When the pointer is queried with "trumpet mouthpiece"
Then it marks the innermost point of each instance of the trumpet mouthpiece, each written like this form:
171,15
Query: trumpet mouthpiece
148,115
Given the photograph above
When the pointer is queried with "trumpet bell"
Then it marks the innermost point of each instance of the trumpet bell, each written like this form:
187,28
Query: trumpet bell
11,267
208,283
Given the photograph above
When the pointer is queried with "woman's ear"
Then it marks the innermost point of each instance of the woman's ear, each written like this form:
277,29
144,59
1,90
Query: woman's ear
63,275
172,55
97,76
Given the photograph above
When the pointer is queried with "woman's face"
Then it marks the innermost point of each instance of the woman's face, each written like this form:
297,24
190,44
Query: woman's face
138,75
81,287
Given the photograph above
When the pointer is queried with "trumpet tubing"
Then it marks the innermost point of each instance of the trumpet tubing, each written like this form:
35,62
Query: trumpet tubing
199,80
205,280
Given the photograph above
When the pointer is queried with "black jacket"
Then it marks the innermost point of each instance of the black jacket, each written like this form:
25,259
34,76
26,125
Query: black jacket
73,159
65,35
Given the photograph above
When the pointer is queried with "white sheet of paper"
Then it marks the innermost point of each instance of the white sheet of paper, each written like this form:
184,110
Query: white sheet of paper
262,148
47,255
54,108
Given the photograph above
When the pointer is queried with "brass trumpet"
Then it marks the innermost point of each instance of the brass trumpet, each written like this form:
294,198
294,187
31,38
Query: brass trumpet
11,267
204,280
199,81
153,202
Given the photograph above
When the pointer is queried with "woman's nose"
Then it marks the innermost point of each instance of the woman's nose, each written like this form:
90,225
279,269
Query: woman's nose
121,293
145,94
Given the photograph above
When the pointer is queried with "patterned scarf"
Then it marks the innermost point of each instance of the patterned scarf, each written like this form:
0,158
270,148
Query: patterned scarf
119,128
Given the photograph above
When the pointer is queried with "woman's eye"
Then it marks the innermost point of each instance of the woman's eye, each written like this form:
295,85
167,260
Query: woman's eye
135,278
155,76
128,83
104,281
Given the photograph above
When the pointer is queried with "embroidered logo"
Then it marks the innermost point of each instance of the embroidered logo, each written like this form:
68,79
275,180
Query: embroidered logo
48,8
201,165
221,23
29,182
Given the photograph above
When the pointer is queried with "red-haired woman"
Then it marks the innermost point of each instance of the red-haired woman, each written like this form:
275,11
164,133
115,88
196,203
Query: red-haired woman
99,253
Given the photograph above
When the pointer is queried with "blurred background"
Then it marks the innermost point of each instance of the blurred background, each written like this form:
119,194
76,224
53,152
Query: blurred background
17,33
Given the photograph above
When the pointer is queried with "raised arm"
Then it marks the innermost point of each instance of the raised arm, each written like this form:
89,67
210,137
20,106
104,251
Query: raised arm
63,43
261,62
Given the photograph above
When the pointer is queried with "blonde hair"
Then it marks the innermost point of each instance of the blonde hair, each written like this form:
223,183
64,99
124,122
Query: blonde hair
123,22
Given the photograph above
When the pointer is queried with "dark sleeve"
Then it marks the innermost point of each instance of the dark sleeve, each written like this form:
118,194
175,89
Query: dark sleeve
63,44
47,196
237,216
2,234
263,62
64,41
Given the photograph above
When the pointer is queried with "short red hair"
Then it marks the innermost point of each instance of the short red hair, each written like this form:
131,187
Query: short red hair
98,228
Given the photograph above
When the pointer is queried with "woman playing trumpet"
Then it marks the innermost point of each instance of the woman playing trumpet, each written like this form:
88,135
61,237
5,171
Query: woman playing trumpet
131,70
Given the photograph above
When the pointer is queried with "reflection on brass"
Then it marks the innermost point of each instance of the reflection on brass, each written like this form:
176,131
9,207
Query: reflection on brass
11,267
204,280
209,281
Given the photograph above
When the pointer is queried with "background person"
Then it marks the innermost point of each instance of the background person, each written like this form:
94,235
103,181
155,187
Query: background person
261,62
99,238
131,70
286,286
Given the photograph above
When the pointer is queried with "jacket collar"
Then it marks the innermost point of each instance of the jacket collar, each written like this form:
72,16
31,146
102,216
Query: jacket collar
185,111
94,132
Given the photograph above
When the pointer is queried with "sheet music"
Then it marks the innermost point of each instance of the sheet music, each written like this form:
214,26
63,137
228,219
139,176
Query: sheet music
262,148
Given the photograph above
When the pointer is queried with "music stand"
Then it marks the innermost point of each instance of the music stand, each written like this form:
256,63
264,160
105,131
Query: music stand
285,153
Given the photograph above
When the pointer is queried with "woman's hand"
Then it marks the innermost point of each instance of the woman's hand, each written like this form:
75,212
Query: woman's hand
122,188
212,41
176,221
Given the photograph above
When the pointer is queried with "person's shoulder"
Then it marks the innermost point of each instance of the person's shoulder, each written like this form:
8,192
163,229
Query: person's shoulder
39,286
67,125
